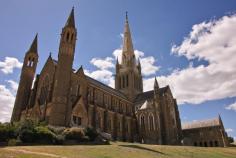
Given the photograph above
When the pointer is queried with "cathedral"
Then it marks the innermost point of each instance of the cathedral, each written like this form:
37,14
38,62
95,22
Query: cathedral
62,96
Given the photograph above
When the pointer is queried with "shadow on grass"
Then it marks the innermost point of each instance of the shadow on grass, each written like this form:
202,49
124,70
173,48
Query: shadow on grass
142,148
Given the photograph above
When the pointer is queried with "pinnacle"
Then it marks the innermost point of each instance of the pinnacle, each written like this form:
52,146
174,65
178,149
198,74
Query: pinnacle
127,40
71,20
34,45
156,83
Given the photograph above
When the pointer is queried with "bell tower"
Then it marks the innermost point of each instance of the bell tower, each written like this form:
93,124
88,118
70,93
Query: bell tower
26,80
63,73
128,77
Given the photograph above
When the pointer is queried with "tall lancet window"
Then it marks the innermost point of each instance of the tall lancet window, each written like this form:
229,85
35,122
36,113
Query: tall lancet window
151,122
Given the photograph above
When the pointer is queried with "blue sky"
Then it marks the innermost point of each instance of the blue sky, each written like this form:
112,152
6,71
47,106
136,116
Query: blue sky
163,36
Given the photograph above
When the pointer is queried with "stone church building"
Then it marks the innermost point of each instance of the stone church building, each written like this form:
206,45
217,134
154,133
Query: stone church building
62,96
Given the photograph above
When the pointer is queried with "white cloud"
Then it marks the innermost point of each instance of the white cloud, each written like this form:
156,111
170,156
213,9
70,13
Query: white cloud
103,63
104,76
214,42
147,63
13,85
117,53
229,130
148,66
231,107
9,64
7,98
121,35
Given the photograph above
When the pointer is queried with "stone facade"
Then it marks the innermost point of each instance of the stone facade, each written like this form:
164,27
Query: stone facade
62,96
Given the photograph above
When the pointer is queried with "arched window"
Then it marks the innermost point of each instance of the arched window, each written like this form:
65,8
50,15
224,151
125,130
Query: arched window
142,122
98,121
200,144
205,144
216,143
119,80
28,62
32,63
72,36
151,122
123,84
127,127
44,91
211,143
67,36
119,126
127,80
109,124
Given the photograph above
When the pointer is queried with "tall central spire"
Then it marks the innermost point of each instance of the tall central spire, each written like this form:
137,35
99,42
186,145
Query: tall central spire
128,51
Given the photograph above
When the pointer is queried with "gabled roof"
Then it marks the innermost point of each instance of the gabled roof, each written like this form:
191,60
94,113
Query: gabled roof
201,124
149,94
107,88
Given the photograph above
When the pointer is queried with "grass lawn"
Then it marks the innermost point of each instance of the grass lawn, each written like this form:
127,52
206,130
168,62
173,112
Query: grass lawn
116,150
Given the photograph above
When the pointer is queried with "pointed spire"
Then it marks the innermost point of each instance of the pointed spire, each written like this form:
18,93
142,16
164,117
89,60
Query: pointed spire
34,46
127,41
219,118
139,64
156,84
117,61
71,19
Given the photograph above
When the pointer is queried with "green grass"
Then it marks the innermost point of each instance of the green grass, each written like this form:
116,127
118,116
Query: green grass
116,150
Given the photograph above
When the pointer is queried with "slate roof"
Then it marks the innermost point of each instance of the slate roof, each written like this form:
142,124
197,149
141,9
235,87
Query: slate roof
106,88
201,124
148,95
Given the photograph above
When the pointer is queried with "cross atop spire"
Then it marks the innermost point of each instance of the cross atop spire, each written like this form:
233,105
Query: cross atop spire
34,46
126,16
71,20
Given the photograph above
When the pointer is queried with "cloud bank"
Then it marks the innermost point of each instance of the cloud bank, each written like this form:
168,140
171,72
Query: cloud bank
9,64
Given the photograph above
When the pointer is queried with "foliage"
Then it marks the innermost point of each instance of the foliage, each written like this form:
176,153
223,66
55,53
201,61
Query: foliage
44,136
59,139
91,133
13,142
230,139
26,131
74,133
7,131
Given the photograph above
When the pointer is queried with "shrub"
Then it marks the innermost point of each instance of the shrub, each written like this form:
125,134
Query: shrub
74,133
44,136
7,131
91,133
26,131
13,142
27,135
59,140
230,139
